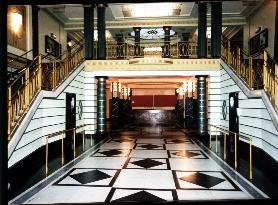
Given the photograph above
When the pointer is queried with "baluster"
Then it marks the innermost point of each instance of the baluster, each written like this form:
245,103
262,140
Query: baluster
250,72
276,86
27,80
265,71
9,112
40,72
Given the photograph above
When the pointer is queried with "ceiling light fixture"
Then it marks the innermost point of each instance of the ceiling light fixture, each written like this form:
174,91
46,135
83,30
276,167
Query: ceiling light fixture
151,10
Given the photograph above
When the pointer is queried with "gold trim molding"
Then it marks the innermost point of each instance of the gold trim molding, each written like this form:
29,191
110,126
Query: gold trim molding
153,64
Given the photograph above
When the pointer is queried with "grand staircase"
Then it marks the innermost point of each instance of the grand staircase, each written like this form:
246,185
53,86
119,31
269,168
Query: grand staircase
43,73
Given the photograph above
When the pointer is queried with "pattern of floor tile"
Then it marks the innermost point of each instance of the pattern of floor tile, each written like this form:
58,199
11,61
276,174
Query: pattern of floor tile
138,168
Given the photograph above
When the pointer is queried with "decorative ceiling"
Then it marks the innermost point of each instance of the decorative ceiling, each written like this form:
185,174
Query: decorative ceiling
183,17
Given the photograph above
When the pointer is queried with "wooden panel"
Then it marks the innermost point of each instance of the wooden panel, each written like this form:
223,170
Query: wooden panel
142,101
165,100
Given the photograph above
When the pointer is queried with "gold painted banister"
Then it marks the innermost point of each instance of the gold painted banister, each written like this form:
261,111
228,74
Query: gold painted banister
245,66
41,74
270,80
233,135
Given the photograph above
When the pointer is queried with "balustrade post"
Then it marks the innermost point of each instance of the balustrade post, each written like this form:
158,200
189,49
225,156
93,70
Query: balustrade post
9,111
250,80
229,52
40,72
238,60
53,75
265,70
27,84
276,87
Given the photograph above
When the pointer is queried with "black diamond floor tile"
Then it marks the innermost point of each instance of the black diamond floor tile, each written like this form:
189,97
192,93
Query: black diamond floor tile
122,140
187,154
149,146
139,196
110,153
147,163
203,180
179,141
90,176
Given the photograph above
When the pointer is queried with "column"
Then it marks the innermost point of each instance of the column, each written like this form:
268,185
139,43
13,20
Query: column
120,46
3,105
137,47
35,30
89,31
101,44
201,105
101,106
166,48
202,29
216,29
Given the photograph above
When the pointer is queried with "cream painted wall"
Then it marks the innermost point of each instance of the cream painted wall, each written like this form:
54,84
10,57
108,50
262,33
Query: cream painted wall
264,16
47,25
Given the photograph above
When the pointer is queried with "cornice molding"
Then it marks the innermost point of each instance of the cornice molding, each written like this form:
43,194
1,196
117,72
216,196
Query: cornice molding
156,23
153,64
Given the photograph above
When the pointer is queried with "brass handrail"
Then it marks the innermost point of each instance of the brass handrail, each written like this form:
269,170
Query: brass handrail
230,133
62,134
257,74
44,76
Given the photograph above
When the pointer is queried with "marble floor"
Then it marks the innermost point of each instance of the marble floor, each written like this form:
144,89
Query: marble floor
147,165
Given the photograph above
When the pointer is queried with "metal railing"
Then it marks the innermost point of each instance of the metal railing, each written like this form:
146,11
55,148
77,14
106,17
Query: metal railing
42,74
257,72
270,73
128,49
226,133
62,135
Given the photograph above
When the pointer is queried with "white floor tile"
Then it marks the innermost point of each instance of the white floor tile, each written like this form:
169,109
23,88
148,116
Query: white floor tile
184,146
144,179
150,141
102,162
70,194
149,153
193,164
210,195
117,145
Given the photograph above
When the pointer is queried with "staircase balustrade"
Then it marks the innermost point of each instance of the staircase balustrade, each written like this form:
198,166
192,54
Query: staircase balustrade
257,72
41,74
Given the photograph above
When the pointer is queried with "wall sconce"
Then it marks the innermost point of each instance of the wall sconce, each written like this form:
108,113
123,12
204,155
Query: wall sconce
69,44
52,35
16,21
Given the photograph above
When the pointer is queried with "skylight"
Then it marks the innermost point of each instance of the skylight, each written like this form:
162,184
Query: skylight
151,10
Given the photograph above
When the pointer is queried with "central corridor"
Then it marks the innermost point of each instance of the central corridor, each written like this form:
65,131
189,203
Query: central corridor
155,164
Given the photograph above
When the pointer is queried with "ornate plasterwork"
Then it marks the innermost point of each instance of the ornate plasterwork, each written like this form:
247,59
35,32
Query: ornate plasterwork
153,64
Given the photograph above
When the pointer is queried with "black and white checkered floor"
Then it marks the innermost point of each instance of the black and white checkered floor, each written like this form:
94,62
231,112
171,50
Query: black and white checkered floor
142,168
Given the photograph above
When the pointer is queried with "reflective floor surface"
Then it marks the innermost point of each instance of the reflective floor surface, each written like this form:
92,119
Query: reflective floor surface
151,164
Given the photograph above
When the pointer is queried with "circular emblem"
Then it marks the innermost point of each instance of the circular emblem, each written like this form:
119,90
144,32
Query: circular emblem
80,109
224,109
152,32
